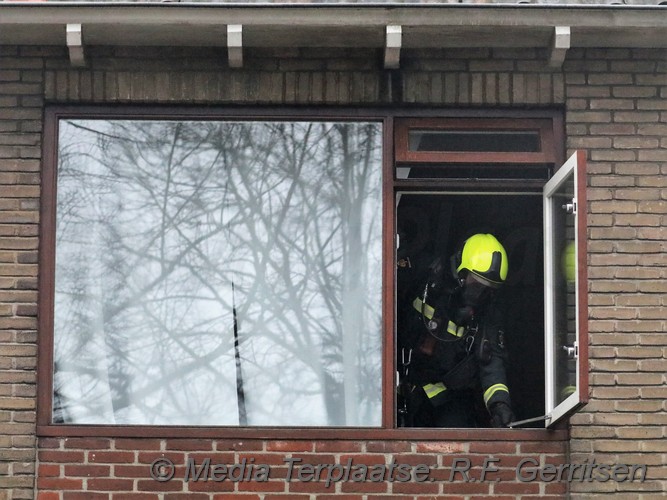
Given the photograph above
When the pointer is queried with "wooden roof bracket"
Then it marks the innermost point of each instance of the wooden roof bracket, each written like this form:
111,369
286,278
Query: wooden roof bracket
74,39
560,43
235,45
392,46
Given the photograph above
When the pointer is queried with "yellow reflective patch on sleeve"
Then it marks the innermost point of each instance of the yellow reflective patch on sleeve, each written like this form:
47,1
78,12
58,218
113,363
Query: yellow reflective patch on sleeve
488,394
432,390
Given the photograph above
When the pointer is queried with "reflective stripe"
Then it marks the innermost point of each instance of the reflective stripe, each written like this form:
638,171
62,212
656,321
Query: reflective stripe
427,310
488,394
457,331
432,390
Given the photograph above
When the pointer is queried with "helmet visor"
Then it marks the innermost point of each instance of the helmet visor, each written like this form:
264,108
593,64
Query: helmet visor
476,290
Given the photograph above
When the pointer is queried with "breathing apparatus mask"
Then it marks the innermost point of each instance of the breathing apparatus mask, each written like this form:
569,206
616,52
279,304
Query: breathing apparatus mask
475,293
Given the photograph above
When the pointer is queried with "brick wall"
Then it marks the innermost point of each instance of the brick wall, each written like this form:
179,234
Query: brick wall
20,129
112,468
616,109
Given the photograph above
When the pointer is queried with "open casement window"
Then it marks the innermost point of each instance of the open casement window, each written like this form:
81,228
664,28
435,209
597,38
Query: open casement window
458,176
566,339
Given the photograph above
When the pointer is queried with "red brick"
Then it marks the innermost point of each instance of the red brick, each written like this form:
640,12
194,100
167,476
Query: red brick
137,444
439,447
210,486
415,488
311,487
542,447
388,447
365,459
47,483
556,488
106,484
152,485
236,496
466,488
249,445
134,471
265,486
185,496
339,497
49,470
495,497
111,457
87,443
189,444
363,487
306,458
475,460
517,488
416,459
47,495
84,495
60,456
402,497
338,446
492,447
278,459
292,497
86,470
224,457
290,446
135,496
147,457
506,460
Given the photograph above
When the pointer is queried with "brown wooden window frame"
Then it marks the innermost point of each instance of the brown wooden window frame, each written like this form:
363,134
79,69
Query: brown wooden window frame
394,122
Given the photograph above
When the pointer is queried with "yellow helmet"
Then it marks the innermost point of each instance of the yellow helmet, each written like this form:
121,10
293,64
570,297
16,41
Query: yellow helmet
484,257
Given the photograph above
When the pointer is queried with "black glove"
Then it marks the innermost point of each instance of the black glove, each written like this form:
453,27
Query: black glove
501,414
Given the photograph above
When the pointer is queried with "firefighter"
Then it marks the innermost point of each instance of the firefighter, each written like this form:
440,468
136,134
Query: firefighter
451,343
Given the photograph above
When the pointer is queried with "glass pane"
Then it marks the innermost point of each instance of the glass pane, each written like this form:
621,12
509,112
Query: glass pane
564,291
476,171
479,141
218,273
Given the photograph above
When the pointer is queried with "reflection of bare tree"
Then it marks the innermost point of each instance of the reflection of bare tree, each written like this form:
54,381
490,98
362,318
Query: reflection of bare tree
158,220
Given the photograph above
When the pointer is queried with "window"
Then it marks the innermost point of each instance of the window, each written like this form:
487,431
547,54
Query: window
218,273
458,177
236,269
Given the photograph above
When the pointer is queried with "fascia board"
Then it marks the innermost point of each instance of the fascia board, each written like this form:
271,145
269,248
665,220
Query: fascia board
425,25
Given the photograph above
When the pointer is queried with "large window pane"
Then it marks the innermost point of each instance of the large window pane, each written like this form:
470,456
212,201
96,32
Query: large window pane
218,273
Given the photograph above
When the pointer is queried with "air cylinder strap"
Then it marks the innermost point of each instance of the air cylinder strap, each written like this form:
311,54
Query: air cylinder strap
428,312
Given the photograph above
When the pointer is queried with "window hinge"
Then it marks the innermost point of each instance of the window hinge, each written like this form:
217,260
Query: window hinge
572,351
571,208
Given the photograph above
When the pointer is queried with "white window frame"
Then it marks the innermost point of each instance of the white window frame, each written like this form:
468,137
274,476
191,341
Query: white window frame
575,168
